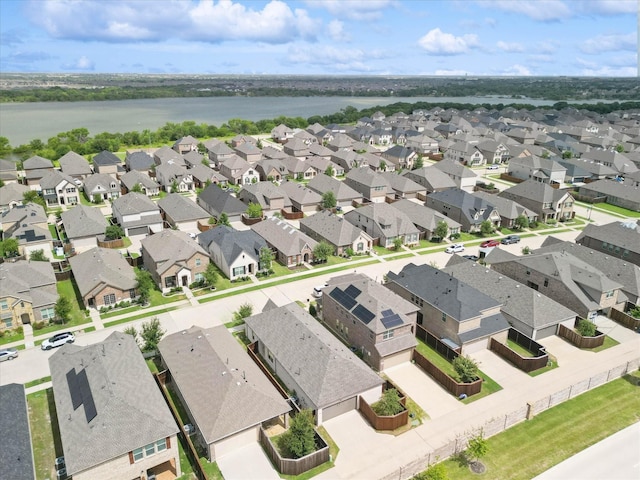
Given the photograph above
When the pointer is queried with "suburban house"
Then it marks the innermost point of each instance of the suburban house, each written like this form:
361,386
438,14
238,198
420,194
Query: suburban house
173,259
371,318
271,169
494,152
509,210
425,219
371,185
114,421
165,155
11,195
16,456
269,196
75,166
27,293
139,161
203,176
401,157
186,144
107,162
298,168
136,214
102,185
614,193
182,213
303,199
620,239
383,222
422,144
238,171
454,312
580,170
27,224
219,152
296,147
59,189
402,186
310,361
281,133
337,232
463,207
527,310
103,277
172,177
464,178
193,158
432,179
226,396
216,201
249,152
8,171
544,170
465,153
82,225
235,252
135,177
564,278
549,203
35,168
344,194
291,246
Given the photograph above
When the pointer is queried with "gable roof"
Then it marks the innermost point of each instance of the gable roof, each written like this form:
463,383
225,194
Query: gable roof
82,221
468,204
401,183
28,213
105,158
300,194
36,163
130,411
170,247
73,164
423,217
323,183
535,191
223,388
33,282
134,202
139,161
233,243
334,228
283,237
53,178
102,266
323,367
12,192
263,193
130,179
103,180
431,178
16,455
506,207
219,201
454,169
181,209
395,222
625,233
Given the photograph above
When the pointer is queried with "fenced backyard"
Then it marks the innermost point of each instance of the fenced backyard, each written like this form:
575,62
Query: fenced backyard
529,357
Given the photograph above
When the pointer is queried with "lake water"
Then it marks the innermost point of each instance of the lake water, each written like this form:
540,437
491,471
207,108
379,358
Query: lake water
23,122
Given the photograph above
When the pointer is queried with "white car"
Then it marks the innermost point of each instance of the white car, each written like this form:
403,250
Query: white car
8,354
455,248
493,166
58,340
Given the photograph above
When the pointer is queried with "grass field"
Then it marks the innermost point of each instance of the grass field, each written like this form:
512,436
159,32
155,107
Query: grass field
559,432
614,209
45,434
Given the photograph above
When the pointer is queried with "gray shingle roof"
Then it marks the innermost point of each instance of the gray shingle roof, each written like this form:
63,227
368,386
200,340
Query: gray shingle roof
300,194
383,214
139,161
37,162
130,179
133,203
106,158
170,247
282,236
323,183
16,455
333,228
232,243
181,209
423,217
82,221
131,411
507,208
223,388
12,192
73,164
402,183
103,180
102,266
430,178
535,191
53,178
626,234
323,367
218,201
468,204
29,214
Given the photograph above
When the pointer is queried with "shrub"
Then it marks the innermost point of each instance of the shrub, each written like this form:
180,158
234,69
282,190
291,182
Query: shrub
466,368
552,221
435,472
635,312
19,330
586,328
454,236
312,310
300,439
389,403
38,325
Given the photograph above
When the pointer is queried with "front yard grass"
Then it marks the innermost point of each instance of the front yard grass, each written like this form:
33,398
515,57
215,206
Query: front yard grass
69,289
613,209
551,364
11,336
38,381
559,433
45,434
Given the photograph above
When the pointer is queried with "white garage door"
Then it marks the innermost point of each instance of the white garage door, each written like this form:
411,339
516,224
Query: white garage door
546,332
339,408
475,346
235,442
396,359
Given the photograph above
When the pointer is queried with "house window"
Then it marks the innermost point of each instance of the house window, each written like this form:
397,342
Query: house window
3,305
546,282
109,299
149,450
132,293
360,246
198,261
238,271
444,317
609,294
8,322
199,277
48,313
532,285
161,445
387,334
138,454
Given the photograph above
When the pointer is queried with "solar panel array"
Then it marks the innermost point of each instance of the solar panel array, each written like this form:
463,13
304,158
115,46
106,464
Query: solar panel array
342,298
391,319
352,291
81,394
363,314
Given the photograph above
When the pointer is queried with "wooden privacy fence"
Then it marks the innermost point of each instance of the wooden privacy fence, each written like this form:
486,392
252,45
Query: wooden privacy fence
295,466
580,341
383,422
291,215
624,319
439,346
252,350
104,243
445,380
526,364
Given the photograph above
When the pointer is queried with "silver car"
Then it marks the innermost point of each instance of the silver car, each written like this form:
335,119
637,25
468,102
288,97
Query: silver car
8,354
58,340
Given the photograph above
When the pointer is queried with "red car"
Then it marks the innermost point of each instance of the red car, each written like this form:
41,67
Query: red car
490,243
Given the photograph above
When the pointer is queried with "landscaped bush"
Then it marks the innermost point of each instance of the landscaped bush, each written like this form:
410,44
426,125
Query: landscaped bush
635,312
551,221
38,325
389,404
586,328
454,236
300,439
466,369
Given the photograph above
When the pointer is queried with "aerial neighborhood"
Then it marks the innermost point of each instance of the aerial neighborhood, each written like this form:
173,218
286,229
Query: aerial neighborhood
202,300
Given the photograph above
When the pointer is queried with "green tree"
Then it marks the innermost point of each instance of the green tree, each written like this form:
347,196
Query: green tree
545,154
254,210
62,309
620,148
586,328
567,154
137,188
131,330
10,247
389,403
266,258
486,228
113,232
437,471
477,448
244,311
635,312
97,198
322,251
202,149
521,222
441,231
145,285
33,197
151,334
329,171
211,275
397,243
299,440
223,219
419,163
328,200
38,256
383,165
175,188
466,368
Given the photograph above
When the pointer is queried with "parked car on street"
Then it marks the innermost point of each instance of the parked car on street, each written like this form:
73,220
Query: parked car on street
455,248
8,354
58,340
489,244
508,240
493,166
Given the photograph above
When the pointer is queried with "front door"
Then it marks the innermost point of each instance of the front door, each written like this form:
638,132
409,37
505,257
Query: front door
26,320
185,281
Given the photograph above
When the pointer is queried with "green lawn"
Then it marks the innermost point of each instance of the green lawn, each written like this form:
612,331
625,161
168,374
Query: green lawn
11,336
45,434
559,432
69,289
426,244
38,381
140,316
608,343
333,452
404,255
551,364
332,260
615,209
53,231
520,350
383,250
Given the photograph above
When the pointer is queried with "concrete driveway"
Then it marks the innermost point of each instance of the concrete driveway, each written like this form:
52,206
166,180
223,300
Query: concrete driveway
247,463
423,389
503,372
615,330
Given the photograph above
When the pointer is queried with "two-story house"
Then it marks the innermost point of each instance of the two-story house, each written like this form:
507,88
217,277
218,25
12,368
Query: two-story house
59,189
371,185
101,186
464,178
383,222
137,214
463,207
238,171
549,203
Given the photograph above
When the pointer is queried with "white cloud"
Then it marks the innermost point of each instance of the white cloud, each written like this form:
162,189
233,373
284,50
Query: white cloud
437,42
519,70
543,10
547,46
340,59
83,63
206,20
510,47
364,10
610,43
610,7
335,29
607,71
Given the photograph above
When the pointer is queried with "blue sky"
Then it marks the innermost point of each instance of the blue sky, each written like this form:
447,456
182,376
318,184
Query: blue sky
333,37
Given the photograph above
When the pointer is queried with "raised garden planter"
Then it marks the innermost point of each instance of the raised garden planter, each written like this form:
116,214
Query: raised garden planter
295,466
380,422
